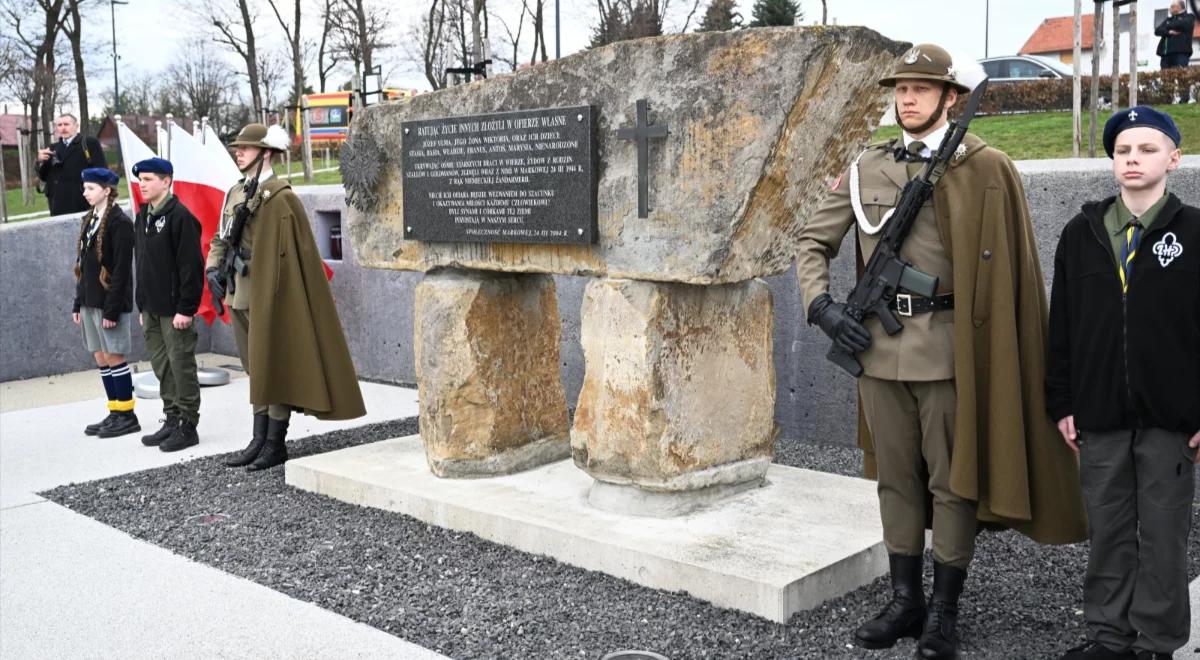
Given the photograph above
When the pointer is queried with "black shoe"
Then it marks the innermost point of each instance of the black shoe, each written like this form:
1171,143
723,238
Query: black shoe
274,451
905,613
1094,650
182,437
939,639
123,423
93,429
156,438
247,455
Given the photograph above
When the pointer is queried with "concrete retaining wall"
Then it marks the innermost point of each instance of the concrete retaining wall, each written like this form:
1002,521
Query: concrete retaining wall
815,400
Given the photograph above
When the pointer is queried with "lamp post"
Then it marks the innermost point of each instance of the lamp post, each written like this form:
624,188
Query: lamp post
987,17
557,30
112,5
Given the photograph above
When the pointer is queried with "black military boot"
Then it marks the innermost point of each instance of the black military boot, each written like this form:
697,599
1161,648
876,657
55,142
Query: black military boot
182,437
247,455
905,613
125,422
939,640
156,438
93,429
274,451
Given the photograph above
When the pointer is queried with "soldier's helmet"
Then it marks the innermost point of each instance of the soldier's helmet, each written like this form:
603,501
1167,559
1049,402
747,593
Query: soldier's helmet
926,62
259,135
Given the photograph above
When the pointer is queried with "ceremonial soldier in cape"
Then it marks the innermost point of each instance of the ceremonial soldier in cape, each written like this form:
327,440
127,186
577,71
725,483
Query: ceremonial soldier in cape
285,324
952,422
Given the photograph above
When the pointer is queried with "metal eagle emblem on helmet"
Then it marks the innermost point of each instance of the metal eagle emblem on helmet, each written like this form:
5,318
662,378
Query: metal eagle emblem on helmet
913,54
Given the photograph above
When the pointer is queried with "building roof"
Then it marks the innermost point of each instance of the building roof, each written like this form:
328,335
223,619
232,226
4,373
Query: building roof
1056,35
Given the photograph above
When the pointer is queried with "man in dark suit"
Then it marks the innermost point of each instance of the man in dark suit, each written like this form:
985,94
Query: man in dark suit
61,166
1175,46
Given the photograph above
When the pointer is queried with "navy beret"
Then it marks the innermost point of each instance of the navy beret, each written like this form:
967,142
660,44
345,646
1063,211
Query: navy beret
1135,117
101,175
160,166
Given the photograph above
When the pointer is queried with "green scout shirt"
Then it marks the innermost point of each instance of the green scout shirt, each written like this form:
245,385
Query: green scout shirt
155,209
1118,216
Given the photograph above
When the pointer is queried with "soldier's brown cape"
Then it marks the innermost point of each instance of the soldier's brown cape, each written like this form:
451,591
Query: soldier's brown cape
298,353
1008,455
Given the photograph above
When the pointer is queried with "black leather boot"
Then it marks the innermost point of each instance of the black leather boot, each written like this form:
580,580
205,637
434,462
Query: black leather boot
124,423
156,438
93,429
274,452
182,437
939,640
247,455
905,613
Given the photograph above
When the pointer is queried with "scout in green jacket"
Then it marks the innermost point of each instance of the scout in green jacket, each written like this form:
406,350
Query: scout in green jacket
942,417
294,350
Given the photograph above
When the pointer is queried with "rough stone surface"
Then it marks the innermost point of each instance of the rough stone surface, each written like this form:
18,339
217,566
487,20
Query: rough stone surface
760,121
487,368
679,388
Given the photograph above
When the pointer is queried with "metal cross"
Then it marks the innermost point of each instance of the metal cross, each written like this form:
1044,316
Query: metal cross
642,132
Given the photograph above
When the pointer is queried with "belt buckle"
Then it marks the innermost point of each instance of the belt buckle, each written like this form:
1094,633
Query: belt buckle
904,304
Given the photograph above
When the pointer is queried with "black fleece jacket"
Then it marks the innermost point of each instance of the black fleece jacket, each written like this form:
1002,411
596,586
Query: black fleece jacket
170,267
117,257
1126,361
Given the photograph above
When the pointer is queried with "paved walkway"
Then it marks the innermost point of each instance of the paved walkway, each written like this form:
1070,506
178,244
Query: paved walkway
71,587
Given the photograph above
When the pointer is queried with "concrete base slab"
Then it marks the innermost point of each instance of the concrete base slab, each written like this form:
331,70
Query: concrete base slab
801,539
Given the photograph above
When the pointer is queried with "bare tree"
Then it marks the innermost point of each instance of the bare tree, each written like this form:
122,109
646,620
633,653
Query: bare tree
273,72
294,45
432,35
33,26
234,25
201,80
328,56
513,38
73,29
359,27
539,30
825,12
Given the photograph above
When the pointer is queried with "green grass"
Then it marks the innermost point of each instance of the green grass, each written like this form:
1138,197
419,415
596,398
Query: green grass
319,178
1042,135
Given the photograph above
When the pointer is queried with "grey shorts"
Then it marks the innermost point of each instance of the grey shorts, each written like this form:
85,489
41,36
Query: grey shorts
110,340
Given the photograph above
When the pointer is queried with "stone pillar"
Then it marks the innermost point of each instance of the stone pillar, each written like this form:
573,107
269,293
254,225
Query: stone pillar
678,400
487,347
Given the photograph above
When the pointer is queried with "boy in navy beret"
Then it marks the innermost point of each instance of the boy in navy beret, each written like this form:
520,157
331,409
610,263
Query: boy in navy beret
170,274
1123,383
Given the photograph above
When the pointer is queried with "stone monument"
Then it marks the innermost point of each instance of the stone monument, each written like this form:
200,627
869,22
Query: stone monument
675,172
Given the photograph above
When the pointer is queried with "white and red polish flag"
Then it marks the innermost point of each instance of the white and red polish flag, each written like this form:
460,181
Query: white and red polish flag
132,151
201,182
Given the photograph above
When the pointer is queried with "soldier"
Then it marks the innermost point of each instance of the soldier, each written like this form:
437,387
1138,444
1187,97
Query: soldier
294,351
951,418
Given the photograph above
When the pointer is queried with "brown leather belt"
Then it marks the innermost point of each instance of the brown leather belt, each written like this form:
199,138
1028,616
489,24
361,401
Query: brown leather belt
909,305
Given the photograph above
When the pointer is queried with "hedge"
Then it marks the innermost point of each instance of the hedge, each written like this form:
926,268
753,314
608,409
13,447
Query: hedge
1154,88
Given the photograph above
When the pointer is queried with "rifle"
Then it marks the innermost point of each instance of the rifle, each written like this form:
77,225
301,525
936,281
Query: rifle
886,273
234,260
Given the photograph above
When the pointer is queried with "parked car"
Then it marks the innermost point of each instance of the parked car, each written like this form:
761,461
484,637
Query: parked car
1012,68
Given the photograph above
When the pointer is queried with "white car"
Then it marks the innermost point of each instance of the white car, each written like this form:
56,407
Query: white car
1013,68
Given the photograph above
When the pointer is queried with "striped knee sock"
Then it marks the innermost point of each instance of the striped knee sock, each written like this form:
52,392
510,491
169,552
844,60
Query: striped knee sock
123,387
109,389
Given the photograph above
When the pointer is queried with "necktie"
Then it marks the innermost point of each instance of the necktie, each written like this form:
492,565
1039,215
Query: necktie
914,161
1133,232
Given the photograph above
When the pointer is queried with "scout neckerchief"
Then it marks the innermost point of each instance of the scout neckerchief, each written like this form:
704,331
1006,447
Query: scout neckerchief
159,221
93,227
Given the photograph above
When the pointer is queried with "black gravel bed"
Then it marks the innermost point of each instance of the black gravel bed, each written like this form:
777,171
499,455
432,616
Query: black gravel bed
469,598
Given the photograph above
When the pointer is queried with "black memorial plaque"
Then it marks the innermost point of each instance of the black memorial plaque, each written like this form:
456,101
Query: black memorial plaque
512,177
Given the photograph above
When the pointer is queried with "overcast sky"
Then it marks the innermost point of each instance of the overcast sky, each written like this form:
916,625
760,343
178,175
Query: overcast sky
150,32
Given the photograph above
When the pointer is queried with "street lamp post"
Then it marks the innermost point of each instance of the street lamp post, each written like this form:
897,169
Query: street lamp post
557,30
116,86
987,17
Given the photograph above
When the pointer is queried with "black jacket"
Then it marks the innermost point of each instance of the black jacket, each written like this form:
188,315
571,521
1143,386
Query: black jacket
63,173
117,257
170,268
1133,361
1180,44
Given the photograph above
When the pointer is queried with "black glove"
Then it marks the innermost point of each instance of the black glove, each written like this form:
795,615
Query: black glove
216,287
847,334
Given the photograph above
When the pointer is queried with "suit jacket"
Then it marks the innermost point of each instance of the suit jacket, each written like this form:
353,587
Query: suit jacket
64,184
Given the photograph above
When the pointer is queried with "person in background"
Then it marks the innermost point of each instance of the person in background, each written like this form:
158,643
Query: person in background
104,297
61,165
1175,46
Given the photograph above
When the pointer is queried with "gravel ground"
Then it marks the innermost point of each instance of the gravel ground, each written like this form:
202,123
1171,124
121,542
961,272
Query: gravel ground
469,598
